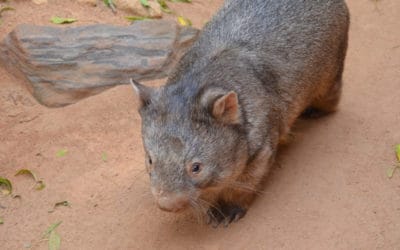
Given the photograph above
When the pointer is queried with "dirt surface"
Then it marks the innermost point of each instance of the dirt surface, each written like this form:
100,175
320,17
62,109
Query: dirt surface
328,190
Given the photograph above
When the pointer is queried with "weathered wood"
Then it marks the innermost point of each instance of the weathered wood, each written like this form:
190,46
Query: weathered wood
64,65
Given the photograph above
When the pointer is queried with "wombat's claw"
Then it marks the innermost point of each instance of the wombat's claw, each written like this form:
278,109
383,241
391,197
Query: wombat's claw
215,217
226,214
233,214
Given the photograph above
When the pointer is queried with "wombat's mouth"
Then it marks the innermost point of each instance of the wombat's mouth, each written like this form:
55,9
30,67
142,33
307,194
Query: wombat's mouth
174,210
173,203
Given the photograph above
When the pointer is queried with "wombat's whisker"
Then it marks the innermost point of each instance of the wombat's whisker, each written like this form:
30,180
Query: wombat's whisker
248,188
242,186
210,214
198,210
136,177
203,209
214,207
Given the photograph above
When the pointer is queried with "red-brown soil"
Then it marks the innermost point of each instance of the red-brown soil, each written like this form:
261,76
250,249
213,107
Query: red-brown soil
328,190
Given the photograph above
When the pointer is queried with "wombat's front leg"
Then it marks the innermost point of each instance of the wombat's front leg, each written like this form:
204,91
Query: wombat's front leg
233,202
225,213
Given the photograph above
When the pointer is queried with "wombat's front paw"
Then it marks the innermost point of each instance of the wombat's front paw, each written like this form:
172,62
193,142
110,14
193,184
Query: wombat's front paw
225,214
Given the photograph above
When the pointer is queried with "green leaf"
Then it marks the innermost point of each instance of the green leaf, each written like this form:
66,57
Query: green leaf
61,20
390,172
184,21
104,156
6,8
62,152
1,220
145,3
51,229
397,149
164,7
136,18
5,186
110,4
54,241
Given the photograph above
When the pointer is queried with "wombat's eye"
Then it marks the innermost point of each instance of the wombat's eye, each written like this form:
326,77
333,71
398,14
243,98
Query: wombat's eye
196,168
150,161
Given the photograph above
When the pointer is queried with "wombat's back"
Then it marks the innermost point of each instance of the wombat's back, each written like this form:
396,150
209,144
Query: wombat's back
286,55
290,35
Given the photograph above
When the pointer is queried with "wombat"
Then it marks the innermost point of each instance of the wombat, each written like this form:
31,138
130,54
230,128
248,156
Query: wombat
212,132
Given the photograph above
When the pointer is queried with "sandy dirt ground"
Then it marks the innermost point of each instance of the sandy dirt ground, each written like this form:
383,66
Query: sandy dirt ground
328,189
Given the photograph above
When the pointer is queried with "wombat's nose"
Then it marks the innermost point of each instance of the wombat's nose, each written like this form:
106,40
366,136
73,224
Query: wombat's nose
173,202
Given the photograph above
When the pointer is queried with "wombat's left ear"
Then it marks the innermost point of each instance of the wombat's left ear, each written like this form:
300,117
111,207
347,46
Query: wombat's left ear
143,92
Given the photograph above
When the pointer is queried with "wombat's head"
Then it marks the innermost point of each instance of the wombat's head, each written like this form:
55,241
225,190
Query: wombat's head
194,142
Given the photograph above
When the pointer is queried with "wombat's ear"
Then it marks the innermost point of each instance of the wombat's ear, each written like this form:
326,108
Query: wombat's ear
223,107
143,92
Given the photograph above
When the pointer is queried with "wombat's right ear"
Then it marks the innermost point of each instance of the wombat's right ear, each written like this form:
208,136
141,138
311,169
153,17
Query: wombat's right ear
143,92
223,106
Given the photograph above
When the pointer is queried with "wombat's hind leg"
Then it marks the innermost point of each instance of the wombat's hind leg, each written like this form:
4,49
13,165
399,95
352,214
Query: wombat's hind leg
328,102
325,104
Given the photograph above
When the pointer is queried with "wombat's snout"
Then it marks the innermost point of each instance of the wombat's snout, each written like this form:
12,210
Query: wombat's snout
172,202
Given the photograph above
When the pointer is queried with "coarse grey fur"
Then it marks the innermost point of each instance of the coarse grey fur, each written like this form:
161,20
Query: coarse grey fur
266,61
